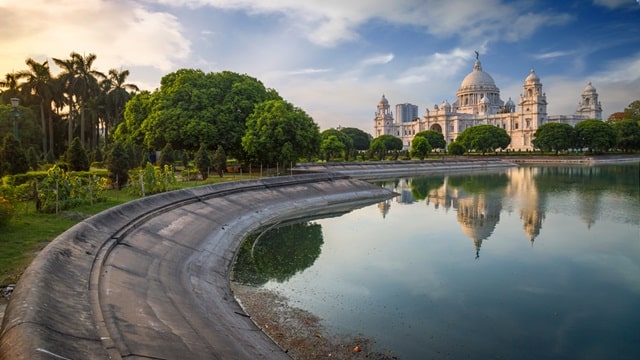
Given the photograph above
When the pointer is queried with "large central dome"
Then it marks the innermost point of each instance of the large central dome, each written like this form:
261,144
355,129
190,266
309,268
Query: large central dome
478,78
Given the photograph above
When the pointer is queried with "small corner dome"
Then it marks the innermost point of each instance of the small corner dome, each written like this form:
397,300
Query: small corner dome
485,100
383,100
510,102
532,77
589,88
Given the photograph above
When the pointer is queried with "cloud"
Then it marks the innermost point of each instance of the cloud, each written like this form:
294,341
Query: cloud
553,55
329,23
120,33
378,59
615,4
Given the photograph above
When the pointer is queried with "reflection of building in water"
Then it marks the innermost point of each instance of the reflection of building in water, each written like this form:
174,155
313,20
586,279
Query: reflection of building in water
406,197
479,214
524,194
384,207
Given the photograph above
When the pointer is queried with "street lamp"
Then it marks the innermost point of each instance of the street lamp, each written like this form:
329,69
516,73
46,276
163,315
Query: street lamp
15,102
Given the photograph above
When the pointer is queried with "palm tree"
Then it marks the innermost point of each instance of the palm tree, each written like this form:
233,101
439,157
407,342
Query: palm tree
38,83
118,93
65,82
85,85
10,83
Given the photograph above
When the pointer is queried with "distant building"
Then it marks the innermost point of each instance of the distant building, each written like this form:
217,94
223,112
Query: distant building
406,112
478,102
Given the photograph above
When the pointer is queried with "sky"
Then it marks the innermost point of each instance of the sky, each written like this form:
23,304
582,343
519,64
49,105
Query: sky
334,59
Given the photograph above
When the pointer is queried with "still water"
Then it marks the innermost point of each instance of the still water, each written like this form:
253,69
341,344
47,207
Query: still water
524,263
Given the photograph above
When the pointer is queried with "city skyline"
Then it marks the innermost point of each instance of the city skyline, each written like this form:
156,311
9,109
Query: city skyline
335,59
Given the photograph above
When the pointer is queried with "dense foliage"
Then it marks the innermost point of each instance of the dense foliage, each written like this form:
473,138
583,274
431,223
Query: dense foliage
13,159
627,134
203,161
76,156
595,136
420,147
192,107
384,144
484,138
436,140
335,143
554,137
279,133
118,165
361,140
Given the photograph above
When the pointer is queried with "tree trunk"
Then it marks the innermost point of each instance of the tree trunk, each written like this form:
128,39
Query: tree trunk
44,128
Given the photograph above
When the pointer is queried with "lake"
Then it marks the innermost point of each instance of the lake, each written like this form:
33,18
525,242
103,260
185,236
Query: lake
528,262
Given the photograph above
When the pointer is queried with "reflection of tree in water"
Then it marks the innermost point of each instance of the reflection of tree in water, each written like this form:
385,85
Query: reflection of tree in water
589,183
422,186
278,254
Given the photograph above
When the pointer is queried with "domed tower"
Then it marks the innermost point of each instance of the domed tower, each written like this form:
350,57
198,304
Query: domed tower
533,103
383,120
589,107
477,85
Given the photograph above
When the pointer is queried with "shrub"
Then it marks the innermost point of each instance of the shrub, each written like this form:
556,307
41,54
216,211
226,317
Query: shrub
6,211
76,156
118,162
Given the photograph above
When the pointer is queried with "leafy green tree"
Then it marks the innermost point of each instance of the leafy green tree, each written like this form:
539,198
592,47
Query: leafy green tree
278,132
33,158
384,144
595,135
118,164
192,107
12,156
554,137
167,156
220,160
484,138
331,147
627,134
420,147
203,161
455,148
347,142
76,156
361,140
436,139
633,111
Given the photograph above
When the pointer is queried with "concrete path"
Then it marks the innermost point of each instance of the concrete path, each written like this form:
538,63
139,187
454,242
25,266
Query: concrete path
150,279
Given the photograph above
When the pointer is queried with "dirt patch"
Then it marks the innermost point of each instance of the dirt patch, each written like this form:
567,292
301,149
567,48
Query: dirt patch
299,332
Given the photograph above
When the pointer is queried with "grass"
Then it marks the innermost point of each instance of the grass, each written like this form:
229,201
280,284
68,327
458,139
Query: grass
28,231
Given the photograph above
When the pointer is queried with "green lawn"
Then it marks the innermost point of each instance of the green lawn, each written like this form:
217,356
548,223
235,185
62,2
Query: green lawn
29,231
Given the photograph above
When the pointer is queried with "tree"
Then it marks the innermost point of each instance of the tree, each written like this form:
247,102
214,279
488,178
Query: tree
595,135
192,107
435,139
381,145
554,137
345,145
484,138
361,140
38,82
220,160
203,161
118,92
118,165
455,148
632,111
13,157
331,147
420,147
627,134
279,133
76,156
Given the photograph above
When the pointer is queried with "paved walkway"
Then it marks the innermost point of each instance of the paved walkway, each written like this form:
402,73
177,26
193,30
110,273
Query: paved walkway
150,279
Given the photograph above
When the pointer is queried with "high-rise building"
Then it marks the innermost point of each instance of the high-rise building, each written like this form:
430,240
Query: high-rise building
406,112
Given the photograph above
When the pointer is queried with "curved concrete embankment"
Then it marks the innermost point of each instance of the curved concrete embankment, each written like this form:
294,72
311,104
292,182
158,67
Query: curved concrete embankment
389,169
150,279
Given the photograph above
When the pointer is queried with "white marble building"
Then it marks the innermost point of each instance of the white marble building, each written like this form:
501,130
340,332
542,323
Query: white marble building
478,102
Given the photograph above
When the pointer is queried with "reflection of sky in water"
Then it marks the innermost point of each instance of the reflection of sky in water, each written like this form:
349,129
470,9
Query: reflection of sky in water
411,279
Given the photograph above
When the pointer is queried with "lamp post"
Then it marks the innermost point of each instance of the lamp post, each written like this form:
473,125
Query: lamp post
15,102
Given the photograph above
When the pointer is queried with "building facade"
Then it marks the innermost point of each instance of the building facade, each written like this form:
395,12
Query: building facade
478,102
